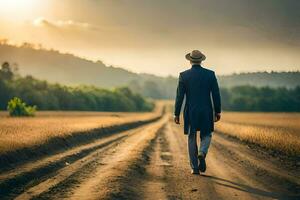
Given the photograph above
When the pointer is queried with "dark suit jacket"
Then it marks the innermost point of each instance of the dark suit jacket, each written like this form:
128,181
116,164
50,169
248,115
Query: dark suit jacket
200,87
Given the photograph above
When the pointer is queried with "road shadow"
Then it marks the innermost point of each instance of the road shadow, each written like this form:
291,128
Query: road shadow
250,189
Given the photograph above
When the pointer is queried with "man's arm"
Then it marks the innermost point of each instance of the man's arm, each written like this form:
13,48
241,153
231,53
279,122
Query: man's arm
179,98
216,98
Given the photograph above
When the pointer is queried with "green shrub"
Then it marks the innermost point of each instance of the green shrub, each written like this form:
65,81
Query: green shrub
16,107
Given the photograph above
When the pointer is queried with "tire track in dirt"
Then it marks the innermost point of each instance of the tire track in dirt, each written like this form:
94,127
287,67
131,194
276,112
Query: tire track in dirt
16,182
153,183
256,176
98,176
238,149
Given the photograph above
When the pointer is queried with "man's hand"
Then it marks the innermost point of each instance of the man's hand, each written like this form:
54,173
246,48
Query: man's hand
176,120
217,117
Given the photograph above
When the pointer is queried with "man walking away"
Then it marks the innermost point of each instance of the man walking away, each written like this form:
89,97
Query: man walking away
202,108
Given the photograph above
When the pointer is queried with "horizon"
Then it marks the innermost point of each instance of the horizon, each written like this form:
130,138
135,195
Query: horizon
236,37
39,47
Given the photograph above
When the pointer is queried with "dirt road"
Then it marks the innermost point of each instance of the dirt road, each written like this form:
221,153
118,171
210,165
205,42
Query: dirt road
150,162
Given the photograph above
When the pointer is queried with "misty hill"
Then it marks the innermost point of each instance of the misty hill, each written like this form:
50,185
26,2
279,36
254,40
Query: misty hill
68,69
261,79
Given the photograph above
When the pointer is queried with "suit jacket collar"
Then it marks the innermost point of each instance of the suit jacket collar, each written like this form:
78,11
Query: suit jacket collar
196,65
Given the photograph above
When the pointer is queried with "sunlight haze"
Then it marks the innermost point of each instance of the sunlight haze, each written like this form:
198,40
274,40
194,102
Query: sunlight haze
154,36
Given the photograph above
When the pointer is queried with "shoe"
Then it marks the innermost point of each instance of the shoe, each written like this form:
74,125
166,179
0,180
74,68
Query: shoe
202,163
195,171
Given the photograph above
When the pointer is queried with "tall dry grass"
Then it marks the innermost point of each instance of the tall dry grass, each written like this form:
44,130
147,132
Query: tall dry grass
16,133
275,131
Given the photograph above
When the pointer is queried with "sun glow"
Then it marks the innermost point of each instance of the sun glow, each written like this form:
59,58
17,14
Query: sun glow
17,7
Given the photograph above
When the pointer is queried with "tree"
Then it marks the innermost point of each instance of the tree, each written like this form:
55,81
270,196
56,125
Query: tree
6,72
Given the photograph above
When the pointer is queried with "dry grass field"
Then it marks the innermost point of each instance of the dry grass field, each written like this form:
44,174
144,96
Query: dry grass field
16,133
276,131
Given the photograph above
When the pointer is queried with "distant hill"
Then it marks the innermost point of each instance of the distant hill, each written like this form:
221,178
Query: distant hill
64,68
54,66
261,79
68,69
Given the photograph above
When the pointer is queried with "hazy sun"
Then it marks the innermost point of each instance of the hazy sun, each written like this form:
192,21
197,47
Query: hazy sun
17,6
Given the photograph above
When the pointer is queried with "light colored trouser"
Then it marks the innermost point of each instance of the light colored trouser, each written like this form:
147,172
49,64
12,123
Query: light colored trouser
193,148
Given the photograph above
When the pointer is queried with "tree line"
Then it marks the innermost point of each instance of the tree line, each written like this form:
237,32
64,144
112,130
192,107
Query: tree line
263,99
235,98
48,96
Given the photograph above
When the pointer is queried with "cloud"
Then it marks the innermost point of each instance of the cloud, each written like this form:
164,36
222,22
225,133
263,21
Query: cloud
67,24
77,34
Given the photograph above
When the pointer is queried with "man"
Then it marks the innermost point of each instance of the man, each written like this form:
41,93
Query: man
202,108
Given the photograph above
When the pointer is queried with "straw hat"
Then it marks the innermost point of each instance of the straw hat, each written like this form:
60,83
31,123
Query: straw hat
195,56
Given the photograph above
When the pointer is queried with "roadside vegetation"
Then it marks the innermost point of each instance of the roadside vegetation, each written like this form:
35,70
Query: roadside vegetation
48,96
279,132
264,99
17,108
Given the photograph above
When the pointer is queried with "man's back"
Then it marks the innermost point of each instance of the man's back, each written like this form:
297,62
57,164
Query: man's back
198,85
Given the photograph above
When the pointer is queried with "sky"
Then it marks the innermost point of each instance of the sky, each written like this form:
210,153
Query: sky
153,36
